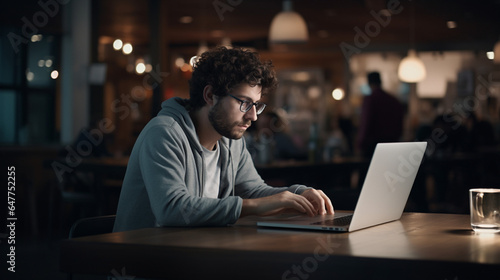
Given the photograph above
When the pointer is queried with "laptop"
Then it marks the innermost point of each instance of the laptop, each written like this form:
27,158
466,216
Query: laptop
383,197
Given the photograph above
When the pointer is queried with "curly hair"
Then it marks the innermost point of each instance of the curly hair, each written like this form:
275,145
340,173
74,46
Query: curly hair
225,69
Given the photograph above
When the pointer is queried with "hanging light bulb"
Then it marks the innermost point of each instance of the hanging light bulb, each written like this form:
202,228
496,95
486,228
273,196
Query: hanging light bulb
411,69
288,26
117,44
127,48
338,94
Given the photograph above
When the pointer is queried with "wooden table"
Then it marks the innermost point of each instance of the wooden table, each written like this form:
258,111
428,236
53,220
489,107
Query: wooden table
419,246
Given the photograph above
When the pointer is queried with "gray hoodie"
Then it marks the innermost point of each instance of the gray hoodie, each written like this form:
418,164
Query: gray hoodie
164,181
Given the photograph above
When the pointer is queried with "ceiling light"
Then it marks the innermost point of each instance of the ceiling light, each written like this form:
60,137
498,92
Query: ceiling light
288,26
411,69
127,48
179,62
36,38
314,92
117,44
186,19
140,68
54,74
385,12
490,55
338,94
103,40
451,24
301,76
217,33
30,75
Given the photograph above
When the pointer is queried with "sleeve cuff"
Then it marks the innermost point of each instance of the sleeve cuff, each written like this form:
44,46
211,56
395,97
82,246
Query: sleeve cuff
298,189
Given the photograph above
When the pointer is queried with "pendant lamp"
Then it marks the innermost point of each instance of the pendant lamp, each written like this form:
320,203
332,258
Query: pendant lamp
411,69
288,26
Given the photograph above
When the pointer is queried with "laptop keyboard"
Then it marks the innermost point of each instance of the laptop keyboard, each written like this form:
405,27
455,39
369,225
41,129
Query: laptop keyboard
340,221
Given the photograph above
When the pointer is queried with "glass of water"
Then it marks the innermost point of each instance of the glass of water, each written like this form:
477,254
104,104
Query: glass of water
485,210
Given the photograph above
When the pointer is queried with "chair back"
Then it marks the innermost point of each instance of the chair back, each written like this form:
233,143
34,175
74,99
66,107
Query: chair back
92,226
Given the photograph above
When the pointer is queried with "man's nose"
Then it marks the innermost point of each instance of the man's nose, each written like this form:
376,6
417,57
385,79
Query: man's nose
251,114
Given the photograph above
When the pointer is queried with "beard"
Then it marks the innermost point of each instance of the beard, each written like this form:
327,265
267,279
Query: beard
218,118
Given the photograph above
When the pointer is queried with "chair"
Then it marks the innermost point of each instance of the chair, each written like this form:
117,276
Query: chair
92,226
74,189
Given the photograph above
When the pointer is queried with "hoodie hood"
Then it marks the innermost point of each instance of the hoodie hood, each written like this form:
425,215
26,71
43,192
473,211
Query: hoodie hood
178,109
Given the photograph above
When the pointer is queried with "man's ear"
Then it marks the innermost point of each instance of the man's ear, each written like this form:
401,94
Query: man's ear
208,95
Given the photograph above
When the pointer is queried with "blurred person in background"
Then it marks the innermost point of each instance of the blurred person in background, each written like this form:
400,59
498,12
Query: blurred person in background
381,117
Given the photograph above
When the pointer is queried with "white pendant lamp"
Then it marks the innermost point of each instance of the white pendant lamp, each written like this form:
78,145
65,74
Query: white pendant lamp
496,51
411,69
288,26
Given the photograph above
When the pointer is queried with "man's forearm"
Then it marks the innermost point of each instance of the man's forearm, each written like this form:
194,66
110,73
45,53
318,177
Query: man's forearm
248,207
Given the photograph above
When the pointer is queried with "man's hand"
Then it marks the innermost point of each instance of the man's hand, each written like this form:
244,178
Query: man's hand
278,203
321,203
311,202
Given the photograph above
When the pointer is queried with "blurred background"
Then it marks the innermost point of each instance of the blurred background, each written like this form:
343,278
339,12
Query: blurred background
80,79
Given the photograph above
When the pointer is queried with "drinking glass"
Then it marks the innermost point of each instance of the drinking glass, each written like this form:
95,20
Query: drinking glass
485,210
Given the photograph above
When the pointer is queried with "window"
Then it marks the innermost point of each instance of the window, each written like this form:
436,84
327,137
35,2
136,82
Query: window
27,89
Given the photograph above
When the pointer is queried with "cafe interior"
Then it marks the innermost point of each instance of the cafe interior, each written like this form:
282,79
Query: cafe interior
80,80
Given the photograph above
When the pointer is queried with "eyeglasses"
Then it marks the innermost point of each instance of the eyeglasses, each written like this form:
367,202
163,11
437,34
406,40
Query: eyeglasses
246,105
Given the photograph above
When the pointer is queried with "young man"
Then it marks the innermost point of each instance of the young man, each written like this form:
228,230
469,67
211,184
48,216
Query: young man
190,167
